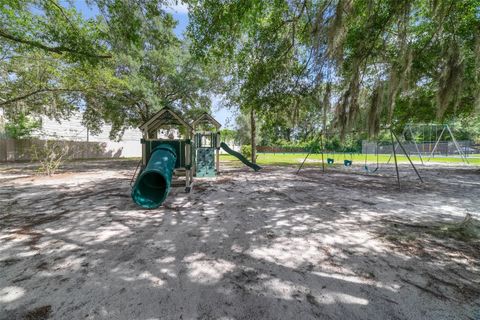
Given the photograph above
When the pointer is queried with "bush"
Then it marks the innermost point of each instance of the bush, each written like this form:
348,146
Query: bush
246,151
314,145
51,154
21,127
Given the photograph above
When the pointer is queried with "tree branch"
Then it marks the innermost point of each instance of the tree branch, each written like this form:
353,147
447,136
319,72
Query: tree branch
56,5
59,49
27,95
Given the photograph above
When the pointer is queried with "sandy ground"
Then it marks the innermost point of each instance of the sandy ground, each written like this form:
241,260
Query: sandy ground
265,245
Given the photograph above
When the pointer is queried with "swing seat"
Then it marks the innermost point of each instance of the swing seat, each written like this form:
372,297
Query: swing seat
371,171
347,163
330,161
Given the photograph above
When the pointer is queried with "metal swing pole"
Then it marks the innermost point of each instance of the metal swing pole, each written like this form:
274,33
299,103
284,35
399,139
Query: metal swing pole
396,146
366,155
321,148
423,141
416,145
456,144
301,166
308,154
395,158
436,144
391,154
408,157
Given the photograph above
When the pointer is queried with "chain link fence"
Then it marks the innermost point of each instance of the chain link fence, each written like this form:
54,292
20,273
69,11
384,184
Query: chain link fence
443,148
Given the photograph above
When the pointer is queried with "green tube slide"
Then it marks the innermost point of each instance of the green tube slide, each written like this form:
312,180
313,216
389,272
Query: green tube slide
153,184
240,157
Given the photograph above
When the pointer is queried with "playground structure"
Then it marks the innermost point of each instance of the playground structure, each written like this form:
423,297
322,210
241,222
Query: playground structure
163,159
175,160
207,144
206,162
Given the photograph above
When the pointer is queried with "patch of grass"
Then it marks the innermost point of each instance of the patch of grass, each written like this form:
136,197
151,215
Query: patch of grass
409,237
467,230
295,159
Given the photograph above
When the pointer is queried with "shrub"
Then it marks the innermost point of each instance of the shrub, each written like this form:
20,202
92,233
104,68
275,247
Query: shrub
246,151
21,127
51,154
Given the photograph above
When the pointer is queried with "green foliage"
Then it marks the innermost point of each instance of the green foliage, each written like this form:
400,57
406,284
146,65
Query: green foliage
246,150
257,49
150,78
314,145
467,128
385,62
51,28
303,66
21,127
243,135
45,49
228,135
119,68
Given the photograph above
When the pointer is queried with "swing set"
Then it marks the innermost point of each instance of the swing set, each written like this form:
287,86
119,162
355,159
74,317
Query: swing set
432,130
395,142
367,168
346,162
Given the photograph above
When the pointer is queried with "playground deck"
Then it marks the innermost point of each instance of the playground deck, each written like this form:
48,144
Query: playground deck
244,245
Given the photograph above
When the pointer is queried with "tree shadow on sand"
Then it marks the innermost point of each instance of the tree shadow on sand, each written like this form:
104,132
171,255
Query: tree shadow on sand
245,246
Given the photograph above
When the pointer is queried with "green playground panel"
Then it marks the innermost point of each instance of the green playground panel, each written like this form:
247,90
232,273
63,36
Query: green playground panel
177,145
205,161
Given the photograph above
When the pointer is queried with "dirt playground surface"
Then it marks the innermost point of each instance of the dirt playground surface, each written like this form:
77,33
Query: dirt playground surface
245,245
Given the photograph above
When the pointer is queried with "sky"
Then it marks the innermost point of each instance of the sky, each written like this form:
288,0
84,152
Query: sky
180,13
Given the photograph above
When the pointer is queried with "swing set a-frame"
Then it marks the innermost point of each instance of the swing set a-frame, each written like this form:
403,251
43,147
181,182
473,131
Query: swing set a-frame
395,141
446,131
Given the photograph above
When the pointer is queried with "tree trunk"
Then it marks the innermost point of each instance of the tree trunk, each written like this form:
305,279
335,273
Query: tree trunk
288,134
253,133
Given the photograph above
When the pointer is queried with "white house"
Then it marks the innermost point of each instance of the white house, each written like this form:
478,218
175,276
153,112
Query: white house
87,145
73,130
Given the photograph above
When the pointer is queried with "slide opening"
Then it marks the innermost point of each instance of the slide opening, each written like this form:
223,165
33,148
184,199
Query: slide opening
151,189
